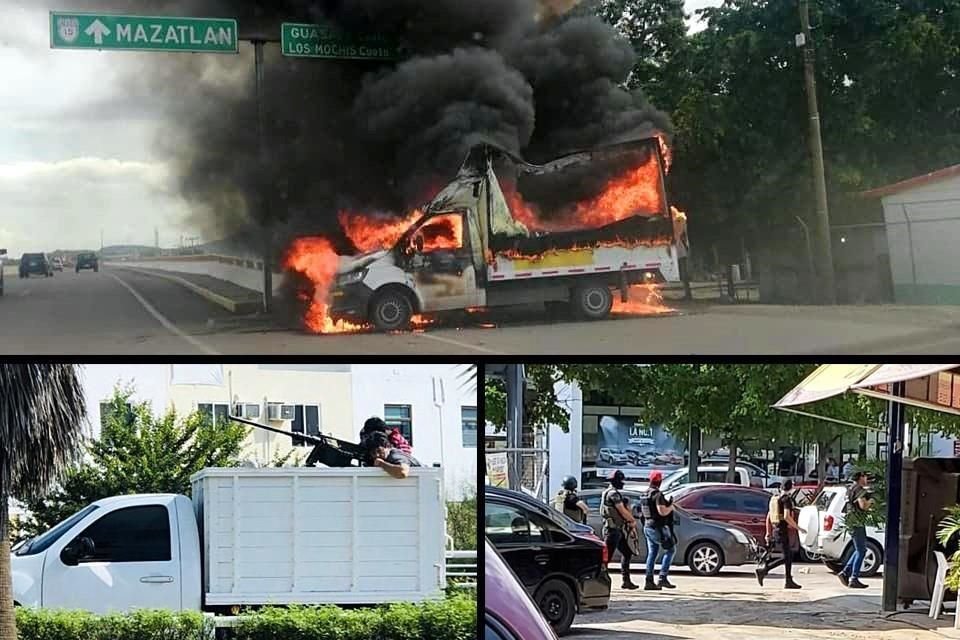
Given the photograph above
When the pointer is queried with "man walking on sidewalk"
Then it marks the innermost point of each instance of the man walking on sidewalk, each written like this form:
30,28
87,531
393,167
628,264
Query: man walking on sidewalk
617,522
858,504
780,525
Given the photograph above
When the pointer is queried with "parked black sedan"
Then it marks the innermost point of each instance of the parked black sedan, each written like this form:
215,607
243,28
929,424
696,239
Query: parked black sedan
564,568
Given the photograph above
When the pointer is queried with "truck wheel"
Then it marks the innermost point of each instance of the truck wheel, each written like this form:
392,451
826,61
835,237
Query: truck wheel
593,301
391,311
556,602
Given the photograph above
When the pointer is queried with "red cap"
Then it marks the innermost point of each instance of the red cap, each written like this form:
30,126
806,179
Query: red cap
656,476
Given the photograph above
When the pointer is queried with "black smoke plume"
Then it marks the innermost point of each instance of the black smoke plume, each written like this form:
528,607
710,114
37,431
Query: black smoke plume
372,136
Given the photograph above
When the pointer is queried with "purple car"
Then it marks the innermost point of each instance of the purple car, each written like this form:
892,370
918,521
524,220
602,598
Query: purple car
510,612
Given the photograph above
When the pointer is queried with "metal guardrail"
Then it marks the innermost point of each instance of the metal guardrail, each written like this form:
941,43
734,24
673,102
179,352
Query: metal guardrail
462,568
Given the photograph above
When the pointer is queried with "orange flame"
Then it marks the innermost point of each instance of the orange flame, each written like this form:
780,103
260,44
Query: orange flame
643,299
635,192
315,258
372,234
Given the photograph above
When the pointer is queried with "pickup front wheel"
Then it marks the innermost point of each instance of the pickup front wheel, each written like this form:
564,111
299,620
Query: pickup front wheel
391,311
593,301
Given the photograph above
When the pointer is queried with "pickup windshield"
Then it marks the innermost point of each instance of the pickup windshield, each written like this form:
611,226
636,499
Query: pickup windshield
44,540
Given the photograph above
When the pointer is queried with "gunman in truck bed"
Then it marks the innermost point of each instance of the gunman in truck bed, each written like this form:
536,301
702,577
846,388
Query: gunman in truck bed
383,455
569,232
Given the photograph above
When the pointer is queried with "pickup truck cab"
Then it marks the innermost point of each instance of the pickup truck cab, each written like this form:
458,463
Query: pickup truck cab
248,537
469,248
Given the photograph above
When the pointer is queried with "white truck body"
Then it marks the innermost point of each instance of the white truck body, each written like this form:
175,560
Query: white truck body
265,537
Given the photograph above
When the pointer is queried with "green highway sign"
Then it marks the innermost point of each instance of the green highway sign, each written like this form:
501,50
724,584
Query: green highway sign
142,33
327,41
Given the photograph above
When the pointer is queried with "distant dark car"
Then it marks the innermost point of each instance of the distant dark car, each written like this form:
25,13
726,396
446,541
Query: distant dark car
35,263
564,570
87,261
704,546
509,613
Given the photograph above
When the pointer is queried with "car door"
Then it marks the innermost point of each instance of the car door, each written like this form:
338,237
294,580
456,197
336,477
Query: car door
441,262
718,504
509,529
134,564
754,507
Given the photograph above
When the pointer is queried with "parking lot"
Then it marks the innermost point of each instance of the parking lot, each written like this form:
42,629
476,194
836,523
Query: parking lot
732,605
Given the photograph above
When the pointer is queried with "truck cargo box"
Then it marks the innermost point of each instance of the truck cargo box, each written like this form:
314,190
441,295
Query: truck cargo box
315,536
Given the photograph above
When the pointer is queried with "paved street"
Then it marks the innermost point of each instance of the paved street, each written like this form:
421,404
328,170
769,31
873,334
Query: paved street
121,311
733,606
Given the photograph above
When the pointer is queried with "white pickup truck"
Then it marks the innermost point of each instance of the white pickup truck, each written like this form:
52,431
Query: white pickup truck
247,537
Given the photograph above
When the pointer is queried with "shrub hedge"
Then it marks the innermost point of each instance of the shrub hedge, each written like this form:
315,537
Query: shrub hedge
454,618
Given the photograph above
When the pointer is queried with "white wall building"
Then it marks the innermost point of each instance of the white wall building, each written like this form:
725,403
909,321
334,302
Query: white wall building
435,405
922,218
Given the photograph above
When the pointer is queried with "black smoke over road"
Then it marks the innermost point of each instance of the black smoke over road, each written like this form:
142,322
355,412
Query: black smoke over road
374,136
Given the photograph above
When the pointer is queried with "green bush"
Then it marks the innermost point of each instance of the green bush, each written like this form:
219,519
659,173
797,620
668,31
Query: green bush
35,624
462,523
454,618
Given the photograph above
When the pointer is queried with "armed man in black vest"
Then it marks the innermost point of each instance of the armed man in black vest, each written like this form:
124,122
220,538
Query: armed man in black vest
618,523
568,501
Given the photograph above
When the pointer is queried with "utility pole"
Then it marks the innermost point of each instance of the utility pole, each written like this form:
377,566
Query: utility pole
804,39
265,200
891,555
514,383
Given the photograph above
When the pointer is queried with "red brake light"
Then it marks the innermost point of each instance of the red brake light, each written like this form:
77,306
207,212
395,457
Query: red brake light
828,523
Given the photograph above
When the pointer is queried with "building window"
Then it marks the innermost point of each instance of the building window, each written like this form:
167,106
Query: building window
400,416
216,412
306,420
468,422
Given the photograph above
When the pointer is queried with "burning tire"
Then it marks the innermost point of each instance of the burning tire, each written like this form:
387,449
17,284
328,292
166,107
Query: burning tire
391,310
593,301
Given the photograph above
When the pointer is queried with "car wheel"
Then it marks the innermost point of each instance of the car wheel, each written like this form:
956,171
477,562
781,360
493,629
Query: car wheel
391,311
593,302
557,603
872,560
705,559
809,556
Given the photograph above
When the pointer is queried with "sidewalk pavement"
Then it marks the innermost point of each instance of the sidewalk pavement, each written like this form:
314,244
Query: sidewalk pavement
733,606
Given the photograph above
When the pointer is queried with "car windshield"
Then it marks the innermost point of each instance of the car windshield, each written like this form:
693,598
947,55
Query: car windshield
824,500
47,538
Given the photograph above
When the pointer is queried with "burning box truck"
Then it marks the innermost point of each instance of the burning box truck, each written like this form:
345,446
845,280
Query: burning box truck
480,243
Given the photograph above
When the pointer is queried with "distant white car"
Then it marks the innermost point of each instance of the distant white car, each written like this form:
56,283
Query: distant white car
826,536
705,475
613,456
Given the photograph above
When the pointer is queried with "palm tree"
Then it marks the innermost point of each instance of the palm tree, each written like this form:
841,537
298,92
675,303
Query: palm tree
41,412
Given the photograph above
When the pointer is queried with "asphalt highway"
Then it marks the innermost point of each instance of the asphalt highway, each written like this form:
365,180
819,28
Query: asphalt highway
122,312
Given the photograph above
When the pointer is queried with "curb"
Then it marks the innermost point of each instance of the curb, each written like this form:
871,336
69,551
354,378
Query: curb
231,305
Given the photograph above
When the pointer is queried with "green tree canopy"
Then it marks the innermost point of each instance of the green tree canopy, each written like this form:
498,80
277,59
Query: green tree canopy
138,452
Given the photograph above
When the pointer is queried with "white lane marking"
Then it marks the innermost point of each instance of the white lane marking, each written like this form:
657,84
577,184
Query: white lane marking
172,328
459,344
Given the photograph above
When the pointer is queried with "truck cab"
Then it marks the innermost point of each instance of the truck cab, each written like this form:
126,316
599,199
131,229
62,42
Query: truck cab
471,249
116,554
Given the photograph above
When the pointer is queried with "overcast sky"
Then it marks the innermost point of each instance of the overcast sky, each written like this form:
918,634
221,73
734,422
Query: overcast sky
77,147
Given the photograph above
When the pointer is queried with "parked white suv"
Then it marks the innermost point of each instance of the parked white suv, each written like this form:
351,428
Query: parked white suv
826,536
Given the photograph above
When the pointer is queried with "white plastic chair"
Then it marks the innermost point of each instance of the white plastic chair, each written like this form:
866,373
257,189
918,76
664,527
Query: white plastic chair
936,599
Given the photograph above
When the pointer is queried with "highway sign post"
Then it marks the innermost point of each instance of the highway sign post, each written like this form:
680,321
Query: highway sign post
142,33
298,40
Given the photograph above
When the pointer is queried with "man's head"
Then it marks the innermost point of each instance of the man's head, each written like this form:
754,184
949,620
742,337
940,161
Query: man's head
656,478
373,425
569,483
860,478
787,486
378,445
616,479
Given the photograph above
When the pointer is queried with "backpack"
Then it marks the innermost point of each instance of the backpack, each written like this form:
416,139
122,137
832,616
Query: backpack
773,510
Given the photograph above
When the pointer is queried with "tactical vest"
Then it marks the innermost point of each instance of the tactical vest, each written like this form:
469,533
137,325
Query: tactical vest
559,502
611,517
774,510
645,509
